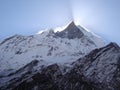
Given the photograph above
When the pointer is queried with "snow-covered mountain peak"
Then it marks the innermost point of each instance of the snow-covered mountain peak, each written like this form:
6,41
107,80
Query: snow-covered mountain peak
71,32
70,59
48,46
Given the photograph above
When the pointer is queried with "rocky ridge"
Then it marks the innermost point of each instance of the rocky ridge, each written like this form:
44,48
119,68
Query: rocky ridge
99,70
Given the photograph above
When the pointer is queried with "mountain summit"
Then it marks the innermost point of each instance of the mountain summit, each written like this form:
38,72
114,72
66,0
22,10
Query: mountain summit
42,59
71,32
71,59
48,46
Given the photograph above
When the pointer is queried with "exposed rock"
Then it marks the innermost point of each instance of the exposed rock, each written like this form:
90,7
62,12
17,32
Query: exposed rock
67,45
101,67
99,70
46,80
71,32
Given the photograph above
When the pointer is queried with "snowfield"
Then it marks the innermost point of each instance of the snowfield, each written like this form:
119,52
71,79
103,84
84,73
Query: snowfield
48,47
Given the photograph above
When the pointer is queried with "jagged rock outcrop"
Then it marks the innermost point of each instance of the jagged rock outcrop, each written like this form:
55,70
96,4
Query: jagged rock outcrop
71,32
101,67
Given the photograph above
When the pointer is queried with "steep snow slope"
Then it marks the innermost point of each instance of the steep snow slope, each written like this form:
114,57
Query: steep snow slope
98,70
48,47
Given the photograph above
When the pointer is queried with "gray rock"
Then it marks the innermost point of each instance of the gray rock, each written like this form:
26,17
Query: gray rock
71,32
99,70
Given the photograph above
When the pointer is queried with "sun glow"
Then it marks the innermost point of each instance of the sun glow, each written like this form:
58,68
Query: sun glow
77,22
59,29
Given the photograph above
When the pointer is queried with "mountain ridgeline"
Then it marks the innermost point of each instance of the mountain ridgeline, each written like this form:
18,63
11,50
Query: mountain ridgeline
71,32
71,59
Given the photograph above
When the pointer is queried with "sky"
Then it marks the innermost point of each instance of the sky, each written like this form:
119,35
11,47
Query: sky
30,16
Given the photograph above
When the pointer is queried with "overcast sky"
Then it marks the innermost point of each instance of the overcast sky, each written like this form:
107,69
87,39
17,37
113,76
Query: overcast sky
29,16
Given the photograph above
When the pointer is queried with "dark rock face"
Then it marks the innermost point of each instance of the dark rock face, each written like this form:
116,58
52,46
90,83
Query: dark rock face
75,81
46,80
71,32
50,78
99,70
101,67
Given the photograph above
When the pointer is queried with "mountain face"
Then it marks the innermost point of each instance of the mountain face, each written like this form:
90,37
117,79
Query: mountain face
98,70
48,47
72,59
71,32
